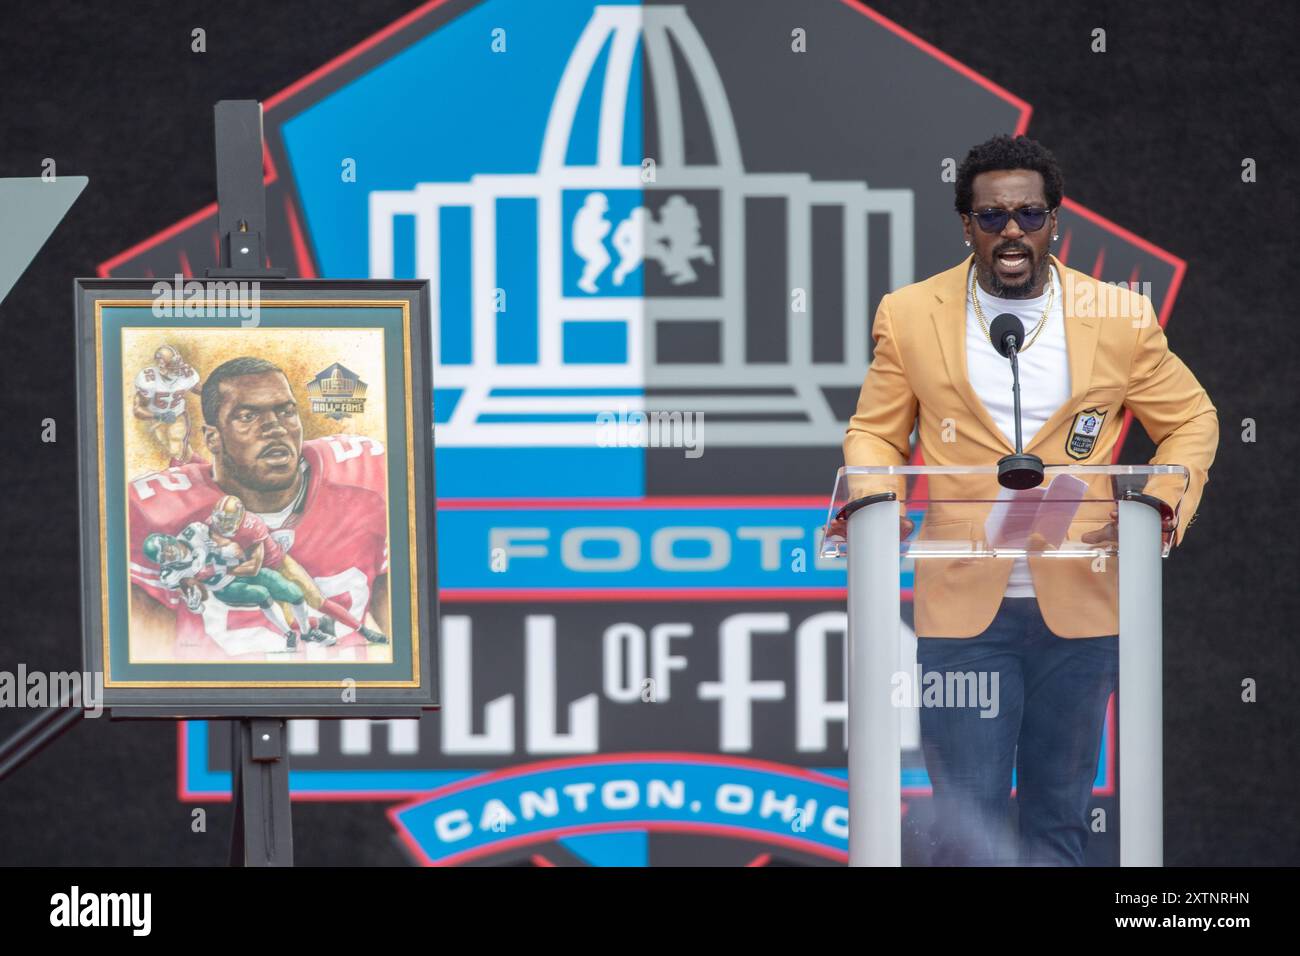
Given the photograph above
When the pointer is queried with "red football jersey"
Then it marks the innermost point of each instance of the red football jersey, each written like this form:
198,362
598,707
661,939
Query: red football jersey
252,532
339,536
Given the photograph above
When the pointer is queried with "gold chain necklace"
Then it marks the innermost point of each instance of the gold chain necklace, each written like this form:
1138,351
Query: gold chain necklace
979,313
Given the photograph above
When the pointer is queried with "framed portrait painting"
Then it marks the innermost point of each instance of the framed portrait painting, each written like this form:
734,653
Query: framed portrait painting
256,475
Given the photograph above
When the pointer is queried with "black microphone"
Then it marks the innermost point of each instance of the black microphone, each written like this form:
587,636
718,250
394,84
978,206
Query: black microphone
1007,333
1018,471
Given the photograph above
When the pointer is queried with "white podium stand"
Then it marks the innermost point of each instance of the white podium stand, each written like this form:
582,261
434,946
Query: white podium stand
962,517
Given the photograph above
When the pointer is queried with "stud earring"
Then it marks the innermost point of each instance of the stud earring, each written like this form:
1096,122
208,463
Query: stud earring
968,242
1055,237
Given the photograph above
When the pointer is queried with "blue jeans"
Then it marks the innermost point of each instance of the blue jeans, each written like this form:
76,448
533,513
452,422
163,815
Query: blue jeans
1051,695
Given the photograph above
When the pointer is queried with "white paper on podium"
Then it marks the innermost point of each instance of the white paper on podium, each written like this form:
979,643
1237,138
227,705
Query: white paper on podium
1018,515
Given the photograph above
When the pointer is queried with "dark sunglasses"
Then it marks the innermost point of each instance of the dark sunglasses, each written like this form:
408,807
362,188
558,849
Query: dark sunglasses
1028,218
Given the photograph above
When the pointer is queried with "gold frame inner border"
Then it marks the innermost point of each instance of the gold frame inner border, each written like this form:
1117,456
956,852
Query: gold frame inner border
236,302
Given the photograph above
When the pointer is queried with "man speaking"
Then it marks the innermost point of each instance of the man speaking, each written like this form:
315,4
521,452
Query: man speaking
1044,629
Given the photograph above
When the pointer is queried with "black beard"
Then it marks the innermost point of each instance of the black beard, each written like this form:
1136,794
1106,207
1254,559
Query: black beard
996,287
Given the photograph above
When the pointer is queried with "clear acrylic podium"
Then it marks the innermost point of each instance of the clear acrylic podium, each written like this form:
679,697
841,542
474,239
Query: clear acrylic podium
961,539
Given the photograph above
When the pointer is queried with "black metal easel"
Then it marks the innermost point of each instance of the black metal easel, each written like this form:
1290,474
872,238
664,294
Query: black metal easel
241,194
37,734
262,834
263,825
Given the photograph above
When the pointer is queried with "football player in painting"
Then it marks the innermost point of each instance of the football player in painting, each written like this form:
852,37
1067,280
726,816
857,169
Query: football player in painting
232,523
197,565
322,500
160,393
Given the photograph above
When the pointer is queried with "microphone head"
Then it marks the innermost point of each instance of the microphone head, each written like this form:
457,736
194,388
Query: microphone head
1007,330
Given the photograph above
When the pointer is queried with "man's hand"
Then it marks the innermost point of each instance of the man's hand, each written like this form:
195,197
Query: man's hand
1109,533
839,528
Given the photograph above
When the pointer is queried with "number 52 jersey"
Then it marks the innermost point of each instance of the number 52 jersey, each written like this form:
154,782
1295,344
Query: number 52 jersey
162,394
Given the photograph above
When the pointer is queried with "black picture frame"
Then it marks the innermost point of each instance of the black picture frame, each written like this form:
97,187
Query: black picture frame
308,688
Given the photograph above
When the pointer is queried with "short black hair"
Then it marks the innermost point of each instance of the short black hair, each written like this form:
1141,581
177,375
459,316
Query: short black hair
245,365
1007,152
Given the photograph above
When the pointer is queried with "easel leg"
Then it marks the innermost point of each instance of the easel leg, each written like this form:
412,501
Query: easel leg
262,834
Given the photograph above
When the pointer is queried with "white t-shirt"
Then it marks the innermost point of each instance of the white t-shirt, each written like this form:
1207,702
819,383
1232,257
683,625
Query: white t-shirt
1044,378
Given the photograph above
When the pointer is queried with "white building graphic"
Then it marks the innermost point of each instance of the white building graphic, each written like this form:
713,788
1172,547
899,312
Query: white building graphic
506,404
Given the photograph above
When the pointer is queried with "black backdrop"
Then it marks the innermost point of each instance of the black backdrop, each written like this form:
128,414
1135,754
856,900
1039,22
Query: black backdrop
1151,134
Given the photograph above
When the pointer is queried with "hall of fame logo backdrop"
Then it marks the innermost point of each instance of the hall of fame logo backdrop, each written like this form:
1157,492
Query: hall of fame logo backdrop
627,209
